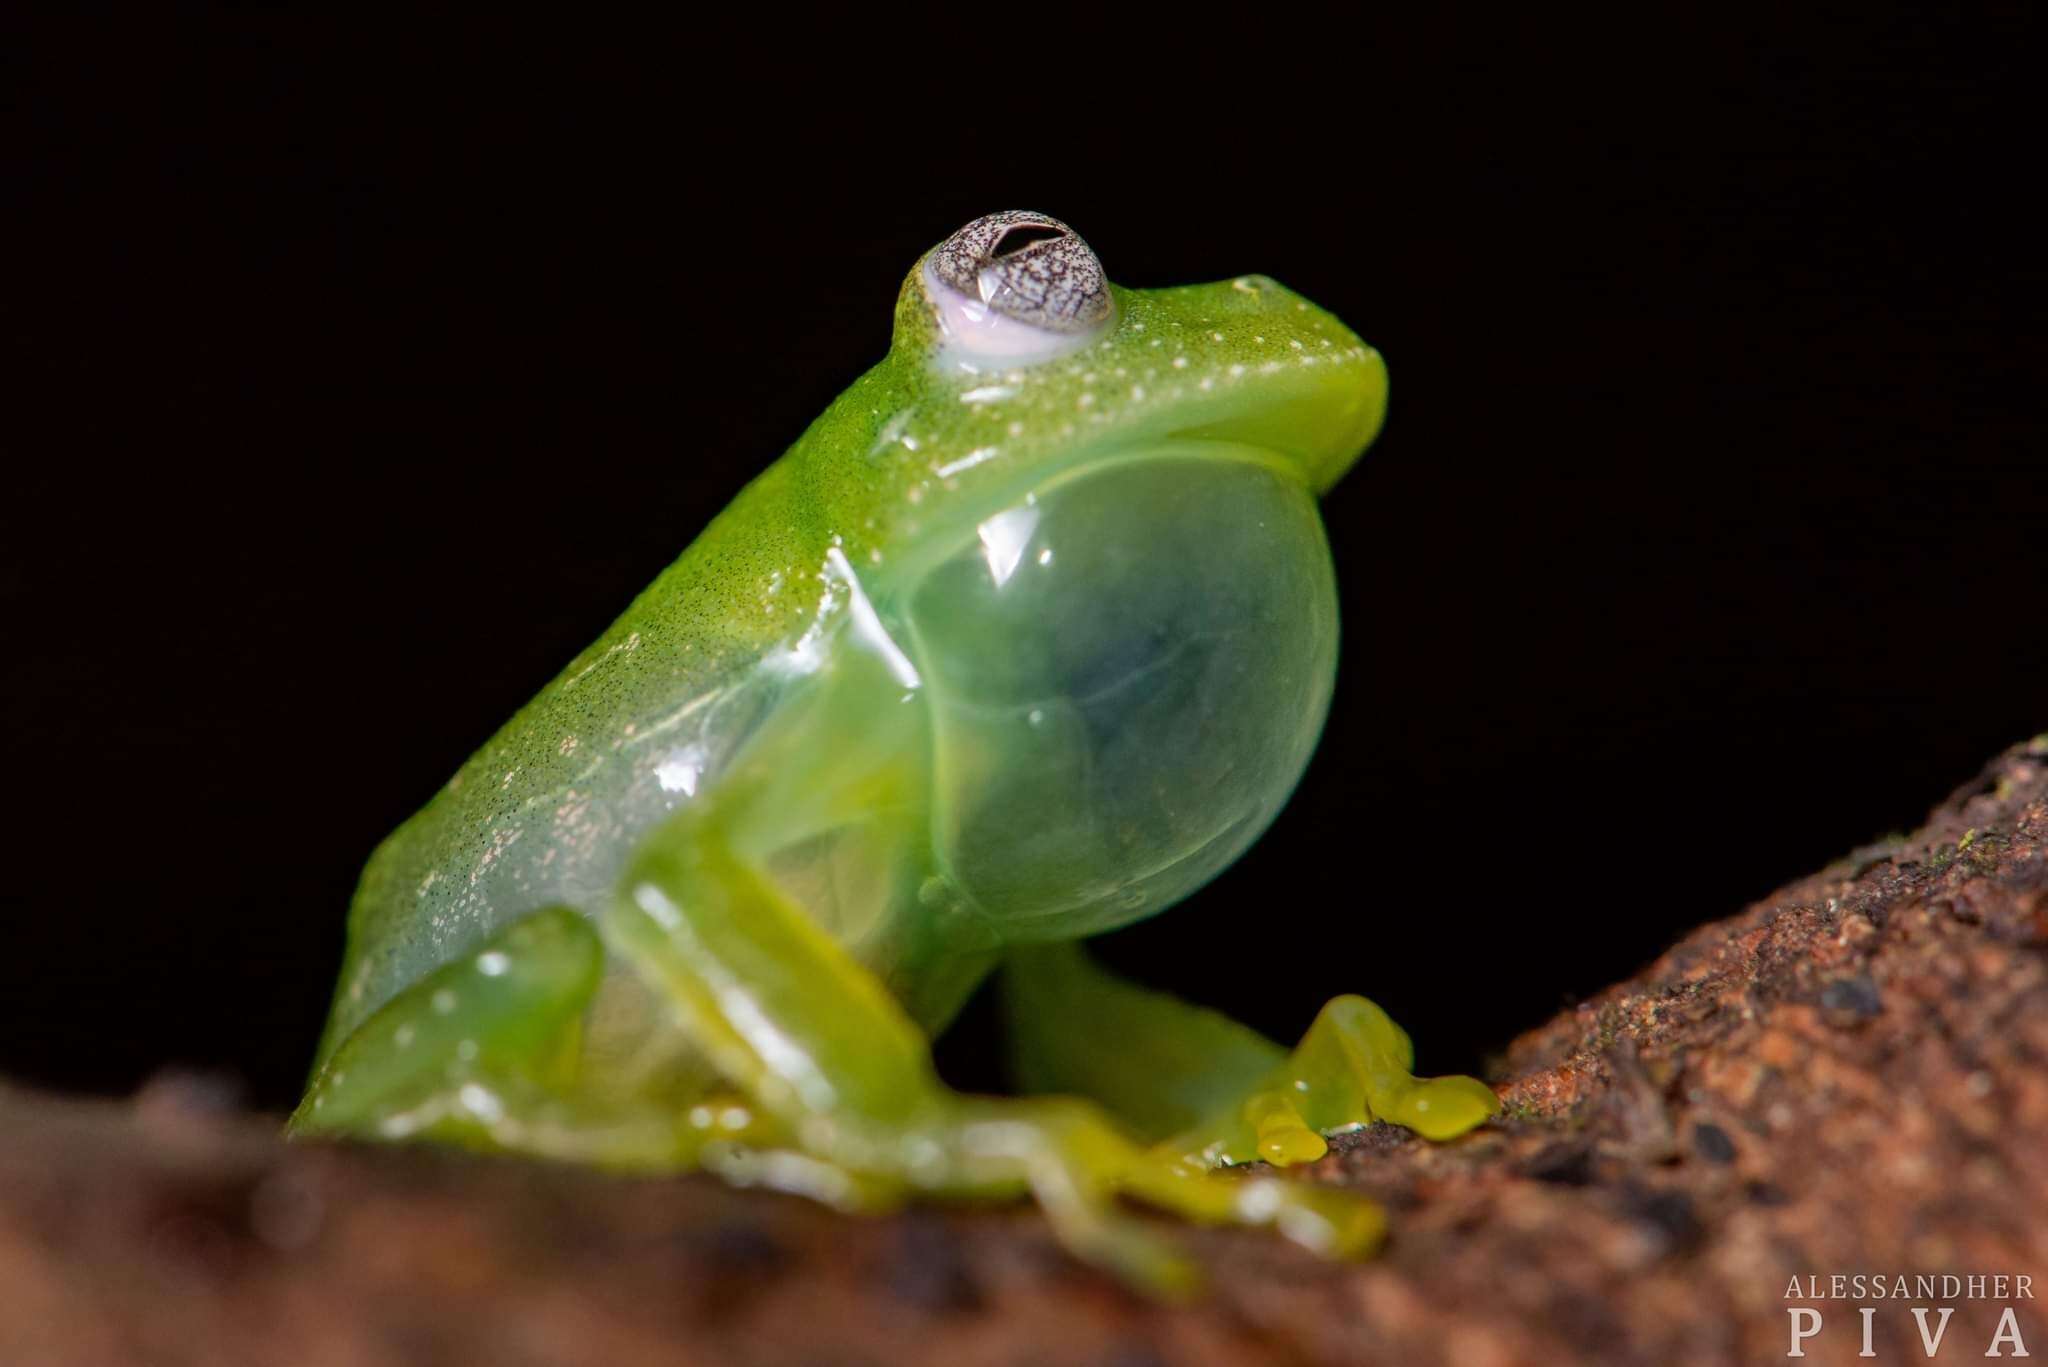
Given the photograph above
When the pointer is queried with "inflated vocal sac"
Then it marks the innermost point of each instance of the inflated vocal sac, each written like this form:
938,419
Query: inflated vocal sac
1128,670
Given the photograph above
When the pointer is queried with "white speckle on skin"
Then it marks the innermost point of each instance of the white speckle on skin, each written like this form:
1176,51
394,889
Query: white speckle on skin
443,1002
398,1126
482,1103
492,963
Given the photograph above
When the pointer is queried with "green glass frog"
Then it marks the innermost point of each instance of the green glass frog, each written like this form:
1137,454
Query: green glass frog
1028,636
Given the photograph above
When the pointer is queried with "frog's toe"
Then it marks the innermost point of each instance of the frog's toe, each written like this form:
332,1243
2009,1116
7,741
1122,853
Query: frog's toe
1280,1135
1443,1107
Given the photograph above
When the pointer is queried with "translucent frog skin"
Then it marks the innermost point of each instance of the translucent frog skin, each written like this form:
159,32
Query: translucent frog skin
1027,637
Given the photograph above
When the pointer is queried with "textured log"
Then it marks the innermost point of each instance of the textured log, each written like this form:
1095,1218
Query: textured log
1850,1077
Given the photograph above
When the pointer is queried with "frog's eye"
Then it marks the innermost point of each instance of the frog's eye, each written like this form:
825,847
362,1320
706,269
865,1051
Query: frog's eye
1015,287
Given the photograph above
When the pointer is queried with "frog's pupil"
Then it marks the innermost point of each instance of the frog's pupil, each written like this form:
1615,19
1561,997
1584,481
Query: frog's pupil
1016,239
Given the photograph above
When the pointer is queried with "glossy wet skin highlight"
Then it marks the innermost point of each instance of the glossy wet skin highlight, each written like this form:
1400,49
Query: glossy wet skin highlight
1029,634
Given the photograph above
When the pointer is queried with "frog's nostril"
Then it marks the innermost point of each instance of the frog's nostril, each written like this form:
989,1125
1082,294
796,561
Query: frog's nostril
1023,235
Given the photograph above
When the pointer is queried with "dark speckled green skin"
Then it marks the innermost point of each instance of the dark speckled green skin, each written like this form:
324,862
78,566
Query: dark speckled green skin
895,473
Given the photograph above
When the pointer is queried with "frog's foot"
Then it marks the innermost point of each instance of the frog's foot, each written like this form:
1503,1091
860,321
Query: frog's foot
1350,1069
1213,1090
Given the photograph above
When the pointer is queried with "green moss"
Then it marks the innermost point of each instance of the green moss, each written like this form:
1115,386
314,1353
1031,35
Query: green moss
1983,850
1977,851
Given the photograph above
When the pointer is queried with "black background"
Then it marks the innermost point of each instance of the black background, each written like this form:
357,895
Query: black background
358,376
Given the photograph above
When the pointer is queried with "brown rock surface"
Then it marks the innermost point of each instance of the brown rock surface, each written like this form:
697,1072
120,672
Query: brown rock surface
1850,1077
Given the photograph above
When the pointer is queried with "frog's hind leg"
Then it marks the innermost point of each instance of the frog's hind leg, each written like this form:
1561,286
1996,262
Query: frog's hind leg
788,1016
1211,1090
483,1052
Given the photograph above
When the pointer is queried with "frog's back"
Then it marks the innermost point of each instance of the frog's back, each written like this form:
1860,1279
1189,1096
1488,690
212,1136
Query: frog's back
547,811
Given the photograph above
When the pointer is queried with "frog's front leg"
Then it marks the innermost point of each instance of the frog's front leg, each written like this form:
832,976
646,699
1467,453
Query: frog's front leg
1210,1090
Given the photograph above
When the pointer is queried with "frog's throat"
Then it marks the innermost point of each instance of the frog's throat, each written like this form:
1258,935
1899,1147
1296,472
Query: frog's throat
965,521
